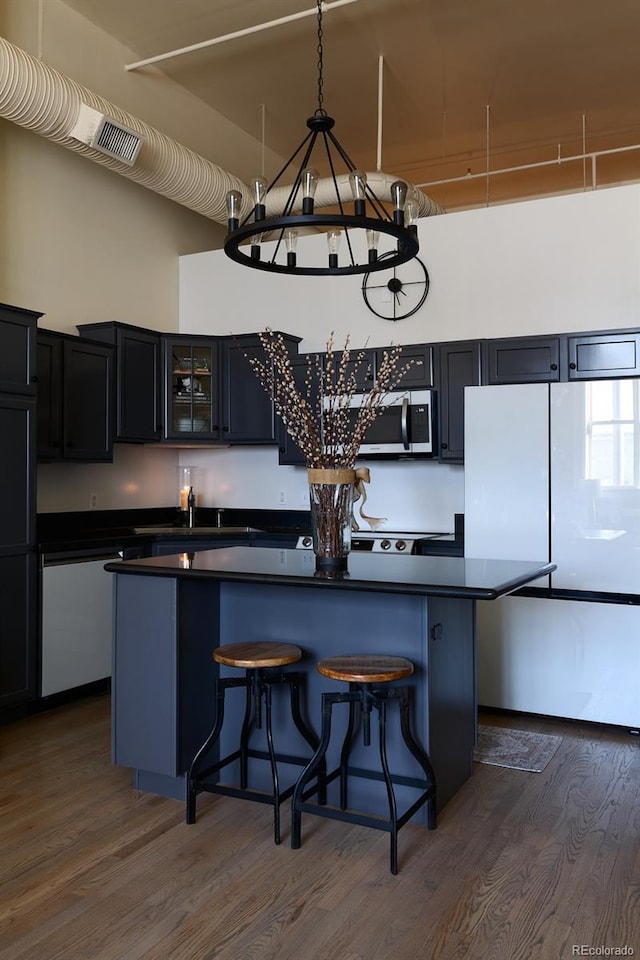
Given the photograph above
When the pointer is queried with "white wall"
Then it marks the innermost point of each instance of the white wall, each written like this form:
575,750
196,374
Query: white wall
539,266
559,264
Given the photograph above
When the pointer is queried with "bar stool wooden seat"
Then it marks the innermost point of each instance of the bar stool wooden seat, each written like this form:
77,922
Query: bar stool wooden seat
261,661
369,679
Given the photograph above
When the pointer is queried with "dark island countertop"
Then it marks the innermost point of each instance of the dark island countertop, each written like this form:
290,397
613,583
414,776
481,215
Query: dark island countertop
419,576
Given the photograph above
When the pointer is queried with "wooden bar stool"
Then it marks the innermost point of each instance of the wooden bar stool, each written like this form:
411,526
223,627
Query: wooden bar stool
260,661
364,674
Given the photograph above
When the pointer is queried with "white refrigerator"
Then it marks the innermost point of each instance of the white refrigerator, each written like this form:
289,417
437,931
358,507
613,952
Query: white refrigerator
552,471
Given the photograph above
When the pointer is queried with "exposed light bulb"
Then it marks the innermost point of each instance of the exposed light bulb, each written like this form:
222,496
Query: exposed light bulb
372,243
256,240
234,203
333,242
309,181
398,198
358,182
259,187
411,210
291,242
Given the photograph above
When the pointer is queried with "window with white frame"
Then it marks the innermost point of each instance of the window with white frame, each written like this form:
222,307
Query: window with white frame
612,411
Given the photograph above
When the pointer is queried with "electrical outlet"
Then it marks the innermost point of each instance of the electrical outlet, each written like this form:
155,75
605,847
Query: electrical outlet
282,496
93,501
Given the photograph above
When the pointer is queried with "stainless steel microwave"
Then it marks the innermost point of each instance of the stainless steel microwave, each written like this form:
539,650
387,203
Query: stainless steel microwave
405,429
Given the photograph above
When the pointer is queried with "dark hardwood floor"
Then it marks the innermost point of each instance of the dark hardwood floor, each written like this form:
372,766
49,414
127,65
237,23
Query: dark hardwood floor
522,865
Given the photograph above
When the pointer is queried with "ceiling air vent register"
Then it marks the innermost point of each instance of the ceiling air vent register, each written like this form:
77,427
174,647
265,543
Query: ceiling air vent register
105,134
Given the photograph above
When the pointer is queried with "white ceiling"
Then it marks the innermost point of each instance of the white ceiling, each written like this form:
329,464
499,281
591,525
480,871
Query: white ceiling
512,81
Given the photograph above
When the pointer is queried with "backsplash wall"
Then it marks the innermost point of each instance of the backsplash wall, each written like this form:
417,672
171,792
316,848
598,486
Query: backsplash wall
412,495
139,477
418,495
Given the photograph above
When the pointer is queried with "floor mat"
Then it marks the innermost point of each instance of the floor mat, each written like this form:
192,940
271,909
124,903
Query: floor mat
519,749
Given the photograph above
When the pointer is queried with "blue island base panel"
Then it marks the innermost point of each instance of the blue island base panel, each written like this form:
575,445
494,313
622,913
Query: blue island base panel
164,673
175,788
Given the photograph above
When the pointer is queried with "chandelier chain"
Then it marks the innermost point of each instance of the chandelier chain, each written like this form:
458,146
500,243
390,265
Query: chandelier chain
320,110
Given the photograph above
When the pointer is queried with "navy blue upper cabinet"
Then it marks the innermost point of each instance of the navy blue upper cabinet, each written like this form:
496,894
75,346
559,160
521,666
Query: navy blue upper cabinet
18,350
608,355
75,398
212,394
192,389
138,379
247,410
523,360
458,367
366,366
420,373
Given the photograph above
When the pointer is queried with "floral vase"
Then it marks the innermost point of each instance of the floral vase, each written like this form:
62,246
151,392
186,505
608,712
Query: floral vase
331,498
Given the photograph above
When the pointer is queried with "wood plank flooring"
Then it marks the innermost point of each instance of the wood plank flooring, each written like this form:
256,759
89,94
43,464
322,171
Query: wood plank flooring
522,865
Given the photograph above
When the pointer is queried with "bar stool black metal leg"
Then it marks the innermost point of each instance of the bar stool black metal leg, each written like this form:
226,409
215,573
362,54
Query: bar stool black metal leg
317,762
272,762
421,756
391,798
355,695
248,722
202,752
307,731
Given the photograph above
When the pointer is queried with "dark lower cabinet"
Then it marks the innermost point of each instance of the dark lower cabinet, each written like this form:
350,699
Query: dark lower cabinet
17,473
458,367
18,628
75,398
168,548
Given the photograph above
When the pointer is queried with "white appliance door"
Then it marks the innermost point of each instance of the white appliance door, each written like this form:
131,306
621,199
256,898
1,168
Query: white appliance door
595,485
506,472
76,624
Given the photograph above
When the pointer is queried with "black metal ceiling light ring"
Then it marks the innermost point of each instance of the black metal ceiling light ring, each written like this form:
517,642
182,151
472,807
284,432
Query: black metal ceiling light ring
286,225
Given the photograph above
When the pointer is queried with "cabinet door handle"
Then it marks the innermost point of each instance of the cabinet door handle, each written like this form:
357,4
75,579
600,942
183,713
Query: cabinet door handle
225,429
572,366
444,446
34,379
554,366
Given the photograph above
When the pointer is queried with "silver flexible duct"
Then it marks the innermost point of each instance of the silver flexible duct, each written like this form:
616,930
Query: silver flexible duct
43,100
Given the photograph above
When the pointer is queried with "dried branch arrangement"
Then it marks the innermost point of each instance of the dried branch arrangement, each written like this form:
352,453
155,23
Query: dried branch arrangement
317,417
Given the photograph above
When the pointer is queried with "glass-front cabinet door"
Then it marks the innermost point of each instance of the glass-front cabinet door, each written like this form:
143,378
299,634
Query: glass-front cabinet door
192,389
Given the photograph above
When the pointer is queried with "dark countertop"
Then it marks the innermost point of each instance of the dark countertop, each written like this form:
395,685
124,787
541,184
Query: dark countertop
422,576
109,529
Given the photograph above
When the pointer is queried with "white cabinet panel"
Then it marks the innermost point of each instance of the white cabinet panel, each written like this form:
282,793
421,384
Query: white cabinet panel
560,658
76,625
507,472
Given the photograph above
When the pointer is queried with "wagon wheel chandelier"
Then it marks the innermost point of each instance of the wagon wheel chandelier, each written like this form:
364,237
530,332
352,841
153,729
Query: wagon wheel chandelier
246,238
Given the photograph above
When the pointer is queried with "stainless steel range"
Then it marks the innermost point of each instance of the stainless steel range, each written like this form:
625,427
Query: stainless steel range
382,541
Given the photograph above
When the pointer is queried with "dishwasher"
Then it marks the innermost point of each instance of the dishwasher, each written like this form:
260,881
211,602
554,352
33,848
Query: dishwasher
77,619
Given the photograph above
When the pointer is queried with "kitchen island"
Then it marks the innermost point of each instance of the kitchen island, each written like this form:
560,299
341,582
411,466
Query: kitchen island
172,611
